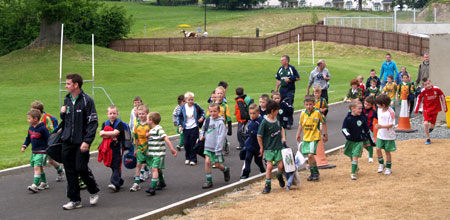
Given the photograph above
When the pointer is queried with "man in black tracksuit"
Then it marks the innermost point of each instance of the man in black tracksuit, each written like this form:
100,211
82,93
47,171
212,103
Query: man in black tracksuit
80,124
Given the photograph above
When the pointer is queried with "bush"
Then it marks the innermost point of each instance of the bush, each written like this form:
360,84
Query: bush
177,2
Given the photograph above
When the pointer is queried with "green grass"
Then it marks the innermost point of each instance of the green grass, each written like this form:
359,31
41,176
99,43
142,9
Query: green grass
27,75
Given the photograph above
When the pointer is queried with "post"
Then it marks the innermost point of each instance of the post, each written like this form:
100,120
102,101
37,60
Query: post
257,32
93,81
298,50
395,21
60,64
205,18
376,23
312,42
414,11
145,30
434,15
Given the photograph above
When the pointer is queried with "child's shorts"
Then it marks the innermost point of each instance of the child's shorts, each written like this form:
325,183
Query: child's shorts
213,157
353,149
273,155
38,160
387,145
309,147
430,117
156,162
141,157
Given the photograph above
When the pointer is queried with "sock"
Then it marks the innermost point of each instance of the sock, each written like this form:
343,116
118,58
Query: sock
142,171
137,179
146,168
370,150
311,169
279,175
208,177
161,177
354,166
388,164
314,167
43,179
268,182
59,169
154,182
380,160
37,178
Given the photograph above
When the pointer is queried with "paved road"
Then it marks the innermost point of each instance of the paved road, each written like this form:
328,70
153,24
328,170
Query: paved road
16,202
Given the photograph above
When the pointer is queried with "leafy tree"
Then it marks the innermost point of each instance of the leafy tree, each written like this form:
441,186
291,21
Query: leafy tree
234,4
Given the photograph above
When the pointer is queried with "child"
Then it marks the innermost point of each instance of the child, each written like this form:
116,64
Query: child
271,137
50,127
356,131
371,77
354,93
263,99
405,89
175,114
433,102
157,141
370,114
137,101
37,136
320,102
189,120
361,83
141,145
390,89
225,87
214,139
386,133
212,99
373,90
251,143
116,136
242,116
309,125
285,111
225,113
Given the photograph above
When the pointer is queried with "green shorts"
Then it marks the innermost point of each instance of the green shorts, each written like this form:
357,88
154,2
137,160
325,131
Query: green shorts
273,155
309,147
156,162
141,157
353,149
213,157
366,142
386,145
38,160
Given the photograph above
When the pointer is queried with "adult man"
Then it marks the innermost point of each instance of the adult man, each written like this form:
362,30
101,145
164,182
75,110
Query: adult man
286,77
320,77
388,67
424,68
80,125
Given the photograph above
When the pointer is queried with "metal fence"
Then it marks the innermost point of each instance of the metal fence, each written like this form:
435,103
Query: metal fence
376,23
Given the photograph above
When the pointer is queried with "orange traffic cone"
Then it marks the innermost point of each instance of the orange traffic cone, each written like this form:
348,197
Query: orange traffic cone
403,121
321,159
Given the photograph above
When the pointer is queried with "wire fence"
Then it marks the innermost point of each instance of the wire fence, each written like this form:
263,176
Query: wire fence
376,23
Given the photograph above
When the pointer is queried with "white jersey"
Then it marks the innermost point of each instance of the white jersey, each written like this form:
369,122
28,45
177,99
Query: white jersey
386,118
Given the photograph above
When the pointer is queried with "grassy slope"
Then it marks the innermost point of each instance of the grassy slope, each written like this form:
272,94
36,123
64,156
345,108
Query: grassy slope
28,75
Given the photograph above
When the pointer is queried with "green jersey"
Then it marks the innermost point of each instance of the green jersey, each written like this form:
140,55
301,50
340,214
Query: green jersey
271,134
156,144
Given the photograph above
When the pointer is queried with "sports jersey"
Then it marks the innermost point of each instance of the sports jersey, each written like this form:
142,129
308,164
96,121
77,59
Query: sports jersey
386,118
287,73
362,87
390,89
156,143
49,124
320,103
271,134
355,128
405,89
224,111
355,94
433,100
310,122
140,135
369,115
373,91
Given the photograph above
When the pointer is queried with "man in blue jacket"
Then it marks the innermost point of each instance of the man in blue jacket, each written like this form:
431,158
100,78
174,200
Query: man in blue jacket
286,77
388,67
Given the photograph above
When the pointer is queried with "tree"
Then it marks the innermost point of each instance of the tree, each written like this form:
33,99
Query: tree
235,4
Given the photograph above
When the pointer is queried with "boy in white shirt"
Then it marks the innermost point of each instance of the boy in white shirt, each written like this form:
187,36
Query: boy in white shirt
386,133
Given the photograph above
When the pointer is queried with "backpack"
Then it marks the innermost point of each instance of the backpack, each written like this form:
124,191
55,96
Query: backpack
54,120
127,141
241,110
129,160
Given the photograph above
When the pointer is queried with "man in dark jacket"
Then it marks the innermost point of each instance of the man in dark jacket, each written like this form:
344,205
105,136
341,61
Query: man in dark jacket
79,127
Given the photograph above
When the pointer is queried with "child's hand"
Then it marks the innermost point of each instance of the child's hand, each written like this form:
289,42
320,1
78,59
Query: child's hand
134,154
202,138
63,109
180,129
298,138
23,148
325,138
377,126
260,152
283,140
174,152
147,134
200,120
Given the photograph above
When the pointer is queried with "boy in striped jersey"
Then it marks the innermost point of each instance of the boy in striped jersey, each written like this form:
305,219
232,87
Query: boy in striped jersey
157,140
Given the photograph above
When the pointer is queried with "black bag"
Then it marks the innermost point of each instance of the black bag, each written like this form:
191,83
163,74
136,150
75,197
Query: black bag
199,146
54,149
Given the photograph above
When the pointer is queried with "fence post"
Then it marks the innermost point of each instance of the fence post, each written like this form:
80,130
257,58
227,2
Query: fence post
421,47
434,15
398,42
184,44
139,45
395,21
414,21
368,37
326,34
408,43
382,39
354,36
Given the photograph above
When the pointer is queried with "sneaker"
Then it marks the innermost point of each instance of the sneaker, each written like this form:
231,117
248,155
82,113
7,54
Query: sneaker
214,166
310,178
244,177
238,148
151,191
266,189
428,142
431,130
226,175
93,199
60,176
72,205
281,181
227,148
370,160
112,187
380,168
135,188
186,162
315,176
82,185
353,176
207,185
146,174
182,147
33,188
289,127
179,148
388,171
43,186
160,186
288,188
192,163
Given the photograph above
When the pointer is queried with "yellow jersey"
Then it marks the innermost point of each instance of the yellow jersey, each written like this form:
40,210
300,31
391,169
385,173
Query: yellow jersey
310,122
140,135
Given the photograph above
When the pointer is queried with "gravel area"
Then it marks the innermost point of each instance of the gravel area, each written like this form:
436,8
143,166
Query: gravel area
440,132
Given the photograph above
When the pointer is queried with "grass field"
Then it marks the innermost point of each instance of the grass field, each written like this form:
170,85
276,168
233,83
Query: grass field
415,190
27,75
163,21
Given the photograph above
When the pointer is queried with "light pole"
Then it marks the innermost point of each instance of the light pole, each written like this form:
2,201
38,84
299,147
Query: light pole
205,14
